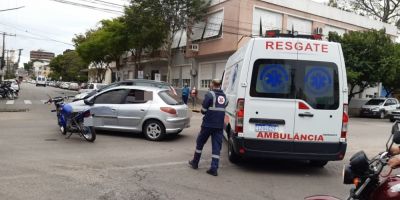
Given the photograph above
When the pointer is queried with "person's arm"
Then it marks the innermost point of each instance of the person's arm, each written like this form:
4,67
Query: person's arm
206,103
395,150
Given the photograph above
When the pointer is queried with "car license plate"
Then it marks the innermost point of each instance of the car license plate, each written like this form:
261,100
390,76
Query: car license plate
268,128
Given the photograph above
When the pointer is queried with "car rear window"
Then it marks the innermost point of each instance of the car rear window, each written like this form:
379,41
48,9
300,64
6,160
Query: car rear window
170,98
312,81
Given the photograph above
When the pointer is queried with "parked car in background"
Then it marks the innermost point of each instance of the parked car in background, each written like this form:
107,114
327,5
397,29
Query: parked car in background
395,115
92,87
153,111
73,86
137,82
379,107
65,85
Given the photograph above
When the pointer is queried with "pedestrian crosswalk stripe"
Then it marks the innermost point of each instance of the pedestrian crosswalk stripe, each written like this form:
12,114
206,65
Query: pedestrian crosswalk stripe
27,102
10,102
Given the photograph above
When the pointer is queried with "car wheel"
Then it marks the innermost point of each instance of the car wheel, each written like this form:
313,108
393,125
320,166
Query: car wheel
318,163
154,130
232,155
382,115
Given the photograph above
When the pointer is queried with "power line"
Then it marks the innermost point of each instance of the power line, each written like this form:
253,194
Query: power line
8,9
89,6
38,35
103,3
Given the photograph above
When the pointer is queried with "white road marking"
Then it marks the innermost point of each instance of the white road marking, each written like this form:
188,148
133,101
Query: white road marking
10,102
27,102
43,101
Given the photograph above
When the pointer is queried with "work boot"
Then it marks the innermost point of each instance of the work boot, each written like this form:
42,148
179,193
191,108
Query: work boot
212,172
193,165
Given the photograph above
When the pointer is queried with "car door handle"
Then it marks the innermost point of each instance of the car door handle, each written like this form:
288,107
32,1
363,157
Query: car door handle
142,110
307,114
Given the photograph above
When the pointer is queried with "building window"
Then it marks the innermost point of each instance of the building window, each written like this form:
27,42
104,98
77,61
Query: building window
264,20
205,83
186,82
210,29
175,82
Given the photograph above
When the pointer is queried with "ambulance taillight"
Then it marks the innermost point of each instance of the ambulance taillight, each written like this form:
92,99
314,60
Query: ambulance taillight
345,123
239,116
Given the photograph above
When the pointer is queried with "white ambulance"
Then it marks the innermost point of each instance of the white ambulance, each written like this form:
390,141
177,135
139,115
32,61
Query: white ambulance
288,100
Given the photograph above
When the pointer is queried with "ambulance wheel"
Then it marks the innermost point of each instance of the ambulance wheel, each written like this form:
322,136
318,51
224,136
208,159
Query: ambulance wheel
318,163
232,155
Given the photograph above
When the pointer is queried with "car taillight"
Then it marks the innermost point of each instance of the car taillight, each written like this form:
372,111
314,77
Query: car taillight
86,114
168,110
345,123
239,116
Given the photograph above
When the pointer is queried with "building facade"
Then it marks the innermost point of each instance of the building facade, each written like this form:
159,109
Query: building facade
201,55
41,60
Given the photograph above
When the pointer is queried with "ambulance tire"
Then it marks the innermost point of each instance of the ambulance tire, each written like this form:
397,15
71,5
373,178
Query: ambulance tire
232,155
318,163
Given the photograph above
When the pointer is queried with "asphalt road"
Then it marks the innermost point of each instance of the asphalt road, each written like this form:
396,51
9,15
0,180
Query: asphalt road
38,163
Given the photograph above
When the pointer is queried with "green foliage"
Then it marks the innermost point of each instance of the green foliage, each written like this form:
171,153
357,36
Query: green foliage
29,67
69,66
145,27
369,56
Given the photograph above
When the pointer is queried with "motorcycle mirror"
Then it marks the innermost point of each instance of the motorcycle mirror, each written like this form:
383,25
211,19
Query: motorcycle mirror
88,102
396,138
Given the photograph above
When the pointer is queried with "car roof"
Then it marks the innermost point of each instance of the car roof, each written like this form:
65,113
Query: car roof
147,88
144,81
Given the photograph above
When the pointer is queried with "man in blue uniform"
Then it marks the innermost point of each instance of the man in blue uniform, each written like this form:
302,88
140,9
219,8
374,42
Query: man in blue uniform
213,110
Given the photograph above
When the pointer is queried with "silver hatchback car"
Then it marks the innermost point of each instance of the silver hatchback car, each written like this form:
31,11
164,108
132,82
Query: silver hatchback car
150,110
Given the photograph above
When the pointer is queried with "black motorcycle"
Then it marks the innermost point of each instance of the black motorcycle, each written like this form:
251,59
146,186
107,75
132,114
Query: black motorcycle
6,91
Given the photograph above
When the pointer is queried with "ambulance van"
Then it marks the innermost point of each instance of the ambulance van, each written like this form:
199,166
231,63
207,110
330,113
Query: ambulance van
288,100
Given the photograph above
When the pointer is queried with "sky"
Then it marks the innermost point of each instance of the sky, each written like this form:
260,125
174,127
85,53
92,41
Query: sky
50,25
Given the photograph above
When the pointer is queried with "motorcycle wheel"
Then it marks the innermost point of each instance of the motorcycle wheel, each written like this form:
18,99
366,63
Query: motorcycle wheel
10,96
89,133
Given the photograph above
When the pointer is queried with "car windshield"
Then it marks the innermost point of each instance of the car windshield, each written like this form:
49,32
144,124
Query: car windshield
170,98
375,102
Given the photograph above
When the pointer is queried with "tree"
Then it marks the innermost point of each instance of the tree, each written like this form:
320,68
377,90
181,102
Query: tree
91,47
176,15
146,30
29,67
69,66
391,74
366,62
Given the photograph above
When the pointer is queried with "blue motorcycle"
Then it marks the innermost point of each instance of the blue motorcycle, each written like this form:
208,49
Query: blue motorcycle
71,122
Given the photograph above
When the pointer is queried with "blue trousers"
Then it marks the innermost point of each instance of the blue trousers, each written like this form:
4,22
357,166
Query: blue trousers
185,98
216,142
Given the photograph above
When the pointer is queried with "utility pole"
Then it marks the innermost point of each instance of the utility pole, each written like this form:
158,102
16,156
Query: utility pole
2,61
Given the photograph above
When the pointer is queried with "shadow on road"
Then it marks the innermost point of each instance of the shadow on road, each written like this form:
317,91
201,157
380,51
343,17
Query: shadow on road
168,138
287,167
